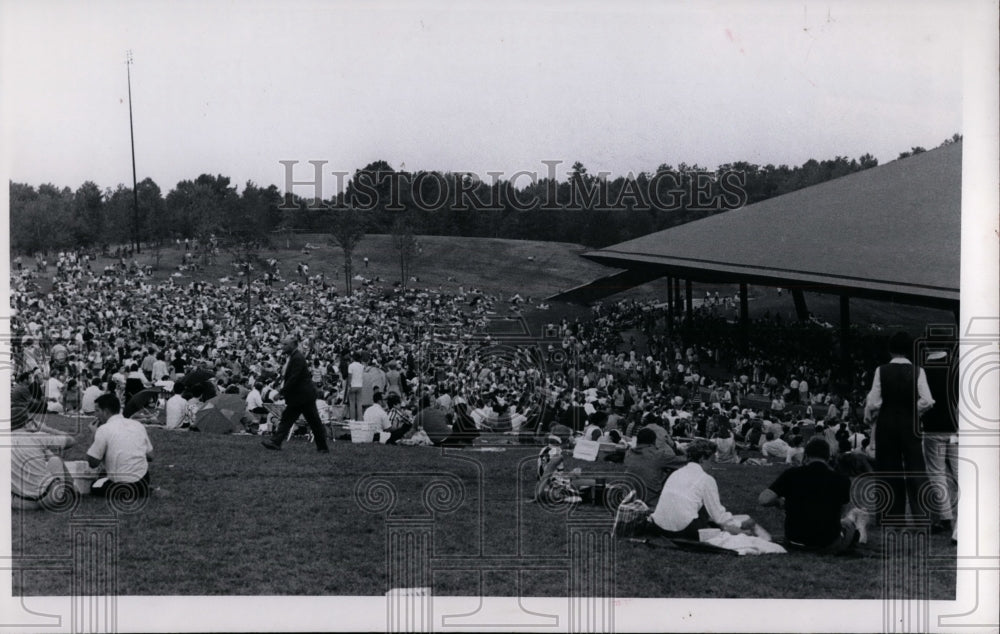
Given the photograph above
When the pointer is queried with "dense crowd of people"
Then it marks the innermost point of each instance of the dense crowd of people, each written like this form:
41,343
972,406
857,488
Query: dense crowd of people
428,364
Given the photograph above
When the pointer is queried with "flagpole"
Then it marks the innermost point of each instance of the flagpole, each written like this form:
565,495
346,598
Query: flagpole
131,132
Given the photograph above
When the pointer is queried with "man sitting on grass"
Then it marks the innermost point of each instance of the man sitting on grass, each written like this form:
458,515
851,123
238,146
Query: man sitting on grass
432,420
376,415
690,499
774,447
123,446
814,498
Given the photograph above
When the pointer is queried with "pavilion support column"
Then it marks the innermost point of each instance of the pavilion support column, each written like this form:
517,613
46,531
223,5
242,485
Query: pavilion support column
744,316
670,306
677,294
845,337
801,311
687,301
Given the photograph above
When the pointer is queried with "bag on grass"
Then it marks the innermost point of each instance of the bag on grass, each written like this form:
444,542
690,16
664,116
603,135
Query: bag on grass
556,488
631,514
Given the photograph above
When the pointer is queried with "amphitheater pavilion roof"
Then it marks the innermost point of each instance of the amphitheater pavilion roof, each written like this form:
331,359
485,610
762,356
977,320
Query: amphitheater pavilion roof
891,232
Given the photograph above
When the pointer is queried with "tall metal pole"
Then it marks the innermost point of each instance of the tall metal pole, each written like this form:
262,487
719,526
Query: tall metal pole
131,132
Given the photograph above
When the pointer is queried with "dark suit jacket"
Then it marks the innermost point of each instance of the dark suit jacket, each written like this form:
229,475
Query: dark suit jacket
298,388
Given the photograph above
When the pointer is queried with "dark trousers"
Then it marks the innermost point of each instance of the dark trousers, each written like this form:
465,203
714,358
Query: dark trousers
123,490
899,462
291,414
463,433
397,433
691,530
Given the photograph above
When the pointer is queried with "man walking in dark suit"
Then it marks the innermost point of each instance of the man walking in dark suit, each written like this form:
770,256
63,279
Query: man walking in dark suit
300,398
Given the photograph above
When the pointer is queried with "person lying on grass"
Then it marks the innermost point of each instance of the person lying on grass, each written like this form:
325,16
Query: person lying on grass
690,499
816,502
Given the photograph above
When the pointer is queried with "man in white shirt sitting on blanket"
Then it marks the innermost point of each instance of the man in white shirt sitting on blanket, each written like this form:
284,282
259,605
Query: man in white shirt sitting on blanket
690,499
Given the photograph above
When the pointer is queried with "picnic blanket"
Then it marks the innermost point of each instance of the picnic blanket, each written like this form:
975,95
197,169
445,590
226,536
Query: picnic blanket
746,544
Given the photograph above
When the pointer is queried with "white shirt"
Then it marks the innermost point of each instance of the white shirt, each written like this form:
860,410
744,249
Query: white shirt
356,373
684,493
444,401
478,416
375,414
122,444
856,439
29,452
517,420
54,391
160,370
776,448
139,375
88,401
254,400
176,405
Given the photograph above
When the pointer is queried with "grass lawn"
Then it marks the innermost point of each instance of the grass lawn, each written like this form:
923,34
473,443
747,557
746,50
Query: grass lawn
229,518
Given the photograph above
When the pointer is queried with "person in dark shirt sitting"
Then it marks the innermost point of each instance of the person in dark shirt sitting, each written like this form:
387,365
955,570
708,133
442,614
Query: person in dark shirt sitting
432,420
815,499
651,464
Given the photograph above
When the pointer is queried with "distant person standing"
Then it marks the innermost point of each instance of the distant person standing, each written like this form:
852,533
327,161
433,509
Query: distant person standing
300,399
372,380
160,369
355,382
394,379
147,365
898,396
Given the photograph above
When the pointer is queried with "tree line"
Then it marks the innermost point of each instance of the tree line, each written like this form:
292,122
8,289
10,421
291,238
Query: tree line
594,210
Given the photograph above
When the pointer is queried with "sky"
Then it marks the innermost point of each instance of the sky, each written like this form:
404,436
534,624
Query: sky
233,88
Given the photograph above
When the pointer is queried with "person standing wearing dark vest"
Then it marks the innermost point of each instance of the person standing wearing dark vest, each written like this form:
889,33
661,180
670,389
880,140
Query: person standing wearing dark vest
940,427
300,399
899,395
